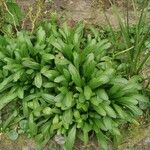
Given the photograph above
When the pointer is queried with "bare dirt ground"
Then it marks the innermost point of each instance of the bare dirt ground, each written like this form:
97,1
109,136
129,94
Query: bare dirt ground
89,11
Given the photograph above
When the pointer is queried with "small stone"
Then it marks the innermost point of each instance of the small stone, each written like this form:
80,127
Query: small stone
59,139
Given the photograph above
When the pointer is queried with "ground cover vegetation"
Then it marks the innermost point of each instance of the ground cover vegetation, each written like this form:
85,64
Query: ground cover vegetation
70,82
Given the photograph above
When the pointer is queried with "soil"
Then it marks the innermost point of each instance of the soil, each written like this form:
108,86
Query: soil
89,11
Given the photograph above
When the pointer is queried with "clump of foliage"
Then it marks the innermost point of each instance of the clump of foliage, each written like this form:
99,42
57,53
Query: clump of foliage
11,16
141,2
132,40
62,83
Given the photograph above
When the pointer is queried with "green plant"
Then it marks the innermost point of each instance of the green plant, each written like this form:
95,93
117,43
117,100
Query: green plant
140,2
11,15
131,40
63,84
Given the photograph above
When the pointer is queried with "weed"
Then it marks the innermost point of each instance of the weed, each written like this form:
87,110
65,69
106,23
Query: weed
132,41
64,85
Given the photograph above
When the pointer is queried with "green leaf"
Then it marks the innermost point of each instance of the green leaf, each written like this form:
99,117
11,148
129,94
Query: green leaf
135,109
114,89
87,92
67,118
102,140
66,74
13,135
76,60
102,94
25,108
23,124
55,120
5,82
96,82
59,79
116,131
110,112
67,50
75,75
20,92
86,129
100,110
76,114
41,35
140,98
7,98
66,29
95,101
46,57
29,63
9,119
107,122
100,124
50,74
56,44
15,11
120,111
68,100
128,100
81,98
32,125
48,98
70,139
38,80
47,111
89,66
18,75
119,80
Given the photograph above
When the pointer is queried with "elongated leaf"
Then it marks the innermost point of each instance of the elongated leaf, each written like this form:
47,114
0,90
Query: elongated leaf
135,109
128,100
76,60
86,129
102,94
46,57
59,79
67,118
70,139
100,110
140,98
87,92
89,66
5,82
68,100
120,111
48,98
100,124
38,80
110,112
20,92
107,122
41,35
96,82
7,99
67,50
102,140
30,64
95,101
32,125
9,119
67,74
75,75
